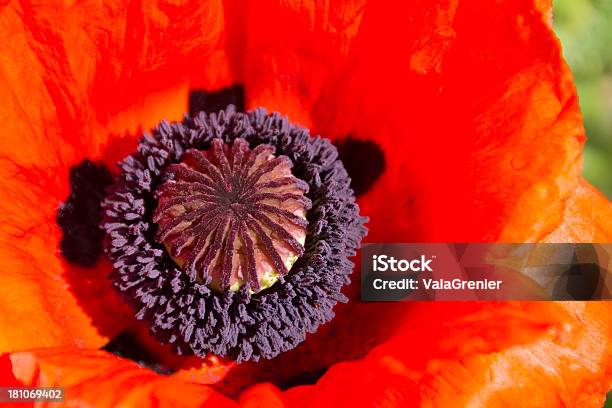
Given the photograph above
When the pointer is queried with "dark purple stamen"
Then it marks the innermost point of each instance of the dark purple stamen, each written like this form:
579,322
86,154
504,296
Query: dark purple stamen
168,176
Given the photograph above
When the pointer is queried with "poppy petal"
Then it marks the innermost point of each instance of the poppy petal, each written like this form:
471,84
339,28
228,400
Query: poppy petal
97,378
485,354
287,50
587,217
488,132
262,396
477,118
473,359
80,80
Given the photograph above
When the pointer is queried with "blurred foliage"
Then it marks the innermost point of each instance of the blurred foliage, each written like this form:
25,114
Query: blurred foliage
585,30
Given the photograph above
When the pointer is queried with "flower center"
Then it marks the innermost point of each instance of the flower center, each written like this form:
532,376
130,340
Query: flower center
233,216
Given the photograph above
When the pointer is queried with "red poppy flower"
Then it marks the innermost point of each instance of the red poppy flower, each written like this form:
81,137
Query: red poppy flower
466,111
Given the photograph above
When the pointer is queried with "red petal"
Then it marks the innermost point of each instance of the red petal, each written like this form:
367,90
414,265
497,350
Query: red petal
100,379
548,355
482,135
477,117
490,354
262,396
587,217
287,50
79,80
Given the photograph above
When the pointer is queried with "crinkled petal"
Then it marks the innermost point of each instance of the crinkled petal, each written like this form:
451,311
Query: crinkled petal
100,379
547,355
475,354
78,81
587,217
478,120
287,50
479,124
477,117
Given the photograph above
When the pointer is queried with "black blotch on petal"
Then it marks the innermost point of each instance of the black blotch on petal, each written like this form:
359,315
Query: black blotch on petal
307,378
364,161
80,215
209,102
126,345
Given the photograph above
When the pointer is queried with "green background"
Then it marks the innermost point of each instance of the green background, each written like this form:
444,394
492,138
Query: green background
585,30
